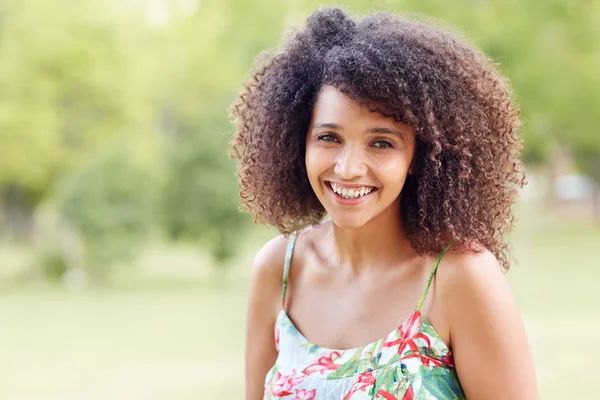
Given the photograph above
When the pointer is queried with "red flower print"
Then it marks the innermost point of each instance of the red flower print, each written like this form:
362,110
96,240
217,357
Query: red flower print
386,395
409,394
411,325
409,329
364,381
277,336
283,384
426,360
303,394
409,333
323,364
448,360
424,337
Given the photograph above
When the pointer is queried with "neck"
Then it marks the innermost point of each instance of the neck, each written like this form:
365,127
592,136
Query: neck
378,244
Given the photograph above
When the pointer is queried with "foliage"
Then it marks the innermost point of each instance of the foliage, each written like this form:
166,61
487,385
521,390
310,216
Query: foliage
197,201
76,75
108,202
67,84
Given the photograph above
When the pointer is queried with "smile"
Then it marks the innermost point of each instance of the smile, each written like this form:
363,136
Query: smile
349,194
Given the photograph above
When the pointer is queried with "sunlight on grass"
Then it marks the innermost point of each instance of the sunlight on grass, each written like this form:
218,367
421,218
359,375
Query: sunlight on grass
170,328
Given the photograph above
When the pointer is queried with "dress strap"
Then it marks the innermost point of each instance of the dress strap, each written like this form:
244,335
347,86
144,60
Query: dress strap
435,266
286,266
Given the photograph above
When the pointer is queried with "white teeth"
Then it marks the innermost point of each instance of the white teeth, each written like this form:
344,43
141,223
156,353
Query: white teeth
350,193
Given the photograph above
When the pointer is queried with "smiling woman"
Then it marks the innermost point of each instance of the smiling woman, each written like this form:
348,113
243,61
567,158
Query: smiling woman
357,150
404,135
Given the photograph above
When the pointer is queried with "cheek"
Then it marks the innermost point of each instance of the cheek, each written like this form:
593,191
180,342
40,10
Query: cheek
393,173
316,161
392,176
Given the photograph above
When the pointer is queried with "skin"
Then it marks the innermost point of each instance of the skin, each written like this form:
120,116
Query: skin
362,257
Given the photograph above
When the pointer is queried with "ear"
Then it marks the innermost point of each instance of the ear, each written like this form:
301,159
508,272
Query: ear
413,161
411,167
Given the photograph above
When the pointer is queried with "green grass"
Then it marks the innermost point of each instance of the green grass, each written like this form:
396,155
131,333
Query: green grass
122,344
169,329
557,286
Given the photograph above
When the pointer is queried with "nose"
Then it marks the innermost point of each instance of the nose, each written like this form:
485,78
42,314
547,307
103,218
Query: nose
350,163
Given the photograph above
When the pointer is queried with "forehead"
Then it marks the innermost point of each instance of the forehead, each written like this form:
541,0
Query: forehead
331,103
333,106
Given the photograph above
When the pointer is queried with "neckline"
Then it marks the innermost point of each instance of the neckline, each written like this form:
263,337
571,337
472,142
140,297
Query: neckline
415,315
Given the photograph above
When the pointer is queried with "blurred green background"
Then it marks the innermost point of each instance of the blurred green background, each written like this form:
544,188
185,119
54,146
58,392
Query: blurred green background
123,259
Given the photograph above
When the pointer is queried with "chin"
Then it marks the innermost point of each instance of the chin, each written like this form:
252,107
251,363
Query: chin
348,222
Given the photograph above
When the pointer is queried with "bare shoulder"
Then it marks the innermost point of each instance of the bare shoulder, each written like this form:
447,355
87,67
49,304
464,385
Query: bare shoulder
268,264
264,302
267,274
269,258
489,342
472,283
469,270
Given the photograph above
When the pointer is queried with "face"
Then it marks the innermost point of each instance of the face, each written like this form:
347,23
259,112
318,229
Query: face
357,160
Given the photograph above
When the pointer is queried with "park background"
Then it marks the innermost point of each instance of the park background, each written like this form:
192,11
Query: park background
124,260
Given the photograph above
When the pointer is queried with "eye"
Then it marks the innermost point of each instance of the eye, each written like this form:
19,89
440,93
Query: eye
327,137
383,144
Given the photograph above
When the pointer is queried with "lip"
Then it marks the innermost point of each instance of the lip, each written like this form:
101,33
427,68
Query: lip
349,185
349,202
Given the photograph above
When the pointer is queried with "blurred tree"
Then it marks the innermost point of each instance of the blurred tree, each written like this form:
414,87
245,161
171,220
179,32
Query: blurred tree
584,60
74,75
107,204
199,199
67,83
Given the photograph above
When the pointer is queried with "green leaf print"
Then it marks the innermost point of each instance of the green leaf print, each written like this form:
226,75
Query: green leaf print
394,359
351,368
441,383
311,348
428,329
431,352
390,379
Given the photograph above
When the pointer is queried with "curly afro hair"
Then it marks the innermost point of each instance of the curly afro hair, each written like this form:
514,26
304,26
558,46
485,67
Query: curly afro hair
467,170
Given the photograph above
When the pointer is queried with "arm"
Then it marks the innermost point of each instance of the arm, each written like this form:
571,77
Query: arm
264,302
491,353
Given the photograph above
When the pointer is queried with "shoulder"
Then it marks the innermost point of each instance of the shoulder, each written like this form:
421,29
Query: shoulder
268,262
476,294
488,338
471,278
270,257
264,303
264,297
267,274
467,269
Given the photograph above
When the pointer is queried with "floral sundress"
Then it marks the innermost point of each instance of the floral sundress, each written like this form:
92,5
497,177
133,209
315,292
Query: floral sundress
411,362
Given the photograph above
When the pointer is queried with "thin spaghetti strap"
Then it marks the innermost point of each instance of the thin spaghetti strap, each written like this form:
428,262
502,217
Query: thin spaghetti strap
437,262
286,266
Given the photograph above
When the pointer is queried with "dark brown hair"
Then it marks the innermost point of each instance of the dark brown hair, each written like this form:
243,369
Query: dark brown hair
466,173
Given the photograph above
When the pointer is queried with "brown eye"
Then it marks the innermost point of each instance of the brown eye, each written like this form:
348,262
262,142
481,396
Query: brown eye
327,137
382,144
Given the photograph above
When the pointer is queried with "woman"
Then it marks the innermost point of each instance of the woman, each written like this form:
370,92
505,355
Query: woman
405,137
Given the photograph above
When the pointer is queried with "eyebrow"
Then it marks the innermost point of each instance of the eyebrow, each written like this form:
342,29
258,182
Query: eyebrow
385,131
327,125
376,130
